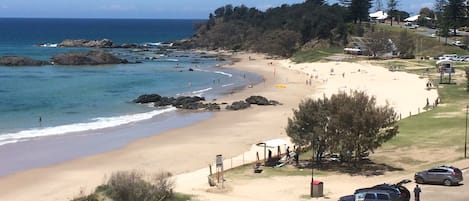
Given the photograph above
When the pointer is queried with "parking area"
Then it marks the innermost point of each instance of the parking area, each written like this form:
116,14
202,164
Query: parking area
439,192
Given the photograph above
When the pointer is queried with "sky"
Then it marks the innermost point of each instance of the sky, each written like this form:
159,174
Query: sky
154,9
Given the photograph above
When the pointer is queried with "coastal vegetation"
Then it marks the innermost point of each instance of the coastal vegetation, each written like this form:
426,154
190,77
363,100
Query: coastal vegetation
351,125
135,186
279,31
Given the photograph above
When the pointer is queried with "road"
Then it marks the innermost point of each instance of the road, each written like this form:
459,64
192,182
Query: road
440,192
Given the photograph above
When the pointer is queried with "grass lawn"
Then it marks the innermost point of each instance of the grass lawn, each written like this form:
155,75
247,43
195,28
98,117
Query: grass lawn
438,132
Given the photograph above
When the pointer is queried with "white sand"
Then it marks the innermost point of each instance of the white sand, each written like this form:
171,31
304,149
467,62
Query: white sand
405,92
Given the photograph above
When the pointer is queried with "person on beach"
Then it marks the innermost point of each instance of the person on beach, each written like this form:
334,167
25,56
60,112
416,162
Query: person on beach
417,191
297,155
288,153
40,120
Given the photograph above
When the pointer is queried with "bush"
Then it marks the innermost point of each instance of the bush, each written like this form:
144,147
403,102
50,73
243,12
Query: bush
135,186
131,186
91,197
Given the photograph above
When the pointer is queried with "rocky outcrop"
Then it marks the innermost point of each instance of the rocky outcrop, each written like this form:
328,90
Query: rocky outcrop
104,43
238,105
195,102
21,61
181,102
260,100
147,98
87,58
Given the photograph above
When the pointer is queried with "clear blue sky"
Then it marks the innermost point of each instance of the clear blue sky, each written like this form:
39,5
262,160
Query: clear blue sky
172,9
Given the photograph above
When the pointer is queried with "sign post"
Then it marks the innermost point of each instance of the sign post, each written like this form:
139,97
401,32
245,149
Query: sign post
219,164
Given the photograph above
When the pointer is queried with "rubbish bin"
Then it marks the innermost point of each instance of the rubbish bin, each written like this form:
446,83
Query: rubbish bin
317,189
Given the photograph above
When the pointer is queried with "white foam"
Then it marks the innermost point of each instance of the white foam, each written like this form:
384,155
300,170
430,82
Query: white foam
97,123
223,73
217,72
202,91
227,85
49,45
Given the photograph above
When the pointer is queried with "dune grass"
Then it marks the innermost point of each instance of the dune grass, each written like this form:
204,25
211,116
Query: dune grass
314,55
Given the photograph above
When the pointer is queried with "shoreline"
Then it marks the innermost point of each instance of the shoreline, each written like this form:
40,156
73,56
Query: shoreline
155,153
46,150
182,150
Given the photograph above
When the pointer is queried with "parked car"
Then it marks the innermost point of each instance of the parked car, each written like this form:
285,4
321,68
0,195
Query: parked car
391,192
457,43
447,175
374,195
411,25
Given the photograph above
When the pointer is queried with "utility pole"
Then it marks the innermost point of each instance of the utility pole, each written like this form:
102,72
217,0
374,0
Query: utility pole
465,136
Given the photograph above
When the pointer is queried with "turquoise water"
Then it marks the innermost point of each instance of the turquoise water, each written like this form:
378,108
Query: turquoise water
71,99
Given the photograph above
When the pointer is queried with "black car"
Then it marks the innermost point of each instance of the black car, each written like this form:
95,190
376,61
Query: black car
396,192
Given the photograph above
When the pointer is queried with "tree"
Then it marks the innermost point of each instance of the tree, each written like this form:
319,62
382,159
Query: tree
348,124
359,10
443,27
405,45
400,15
378,42
454,12
392,6
439,6
426,14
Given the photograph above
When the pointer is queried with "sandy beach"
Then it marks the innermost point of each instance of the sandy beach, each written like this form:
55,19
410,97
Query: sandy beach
188,151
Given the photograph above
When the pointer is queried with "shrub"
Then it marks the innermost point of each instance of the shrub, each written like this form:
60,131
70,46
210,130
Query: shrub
131,186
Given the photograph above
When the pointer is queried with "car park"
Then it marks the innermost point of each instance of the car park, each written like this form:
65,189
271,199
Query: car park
447,175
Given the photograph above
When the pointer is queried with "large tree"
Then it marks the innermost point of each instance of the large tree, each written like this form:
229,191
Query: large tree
378,42
455,13
349,124
406,45
392,7
359,10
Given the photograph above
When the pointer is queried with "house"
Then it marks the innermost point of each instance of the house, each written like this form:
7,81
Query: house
378,16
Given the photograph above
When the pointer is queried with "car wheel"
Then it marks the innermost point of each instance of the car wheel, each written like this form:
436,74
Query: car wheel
419,180
447,182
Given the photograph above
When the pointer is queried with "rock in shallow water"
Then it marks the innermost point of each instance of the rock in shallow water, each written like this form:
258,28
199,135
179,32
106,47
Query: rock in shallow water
87,58
21,61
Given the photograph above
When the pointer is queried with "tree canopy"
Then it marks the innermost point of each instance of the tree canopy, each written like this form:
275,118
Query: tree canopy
280,31
347,124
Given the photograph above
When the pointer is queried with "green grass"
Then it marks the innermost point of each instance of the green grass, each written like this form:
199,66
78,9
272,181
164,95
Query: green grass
442,127
314,55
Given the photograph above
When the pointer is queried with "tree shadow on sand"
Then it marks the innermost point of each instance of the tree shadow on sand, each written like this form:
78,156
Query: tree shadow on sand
363,167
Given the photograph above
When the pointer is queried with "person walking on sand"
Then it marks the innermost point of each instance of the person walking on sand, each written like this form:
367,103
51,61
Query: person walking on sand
417,191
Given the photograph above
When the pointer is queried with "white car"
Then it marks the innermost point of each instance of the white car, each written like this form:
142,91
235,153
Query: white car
457,43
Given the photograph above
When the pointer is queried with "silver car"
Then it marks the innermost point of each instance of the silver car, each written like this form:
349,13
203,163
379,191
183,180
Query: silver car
447,175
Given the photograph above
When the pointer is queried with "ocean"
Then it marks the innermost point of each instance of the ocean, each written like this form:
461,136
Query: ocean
41,104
